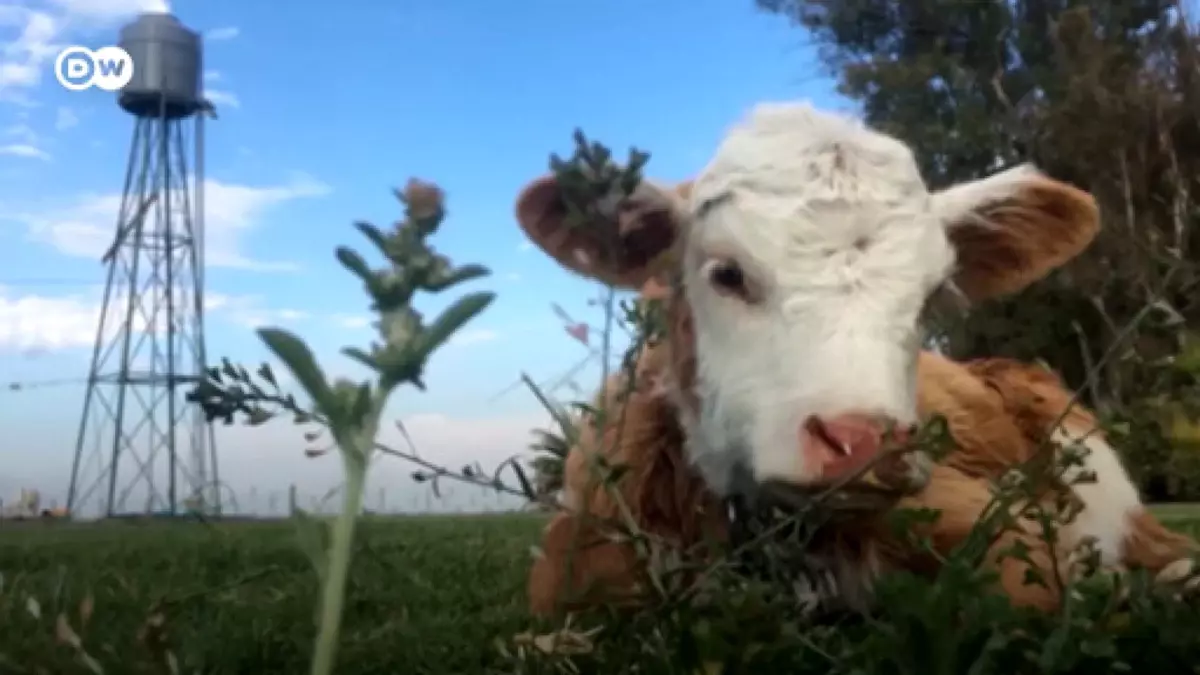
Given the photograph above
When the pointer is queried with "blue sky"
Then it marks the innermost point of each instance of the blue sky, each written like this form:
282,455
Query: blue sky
321,114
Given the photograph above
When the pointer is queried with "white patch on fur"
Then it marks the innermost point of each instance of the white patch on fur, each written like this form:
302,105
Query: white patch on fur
842,242
1109,500
956,203
836,328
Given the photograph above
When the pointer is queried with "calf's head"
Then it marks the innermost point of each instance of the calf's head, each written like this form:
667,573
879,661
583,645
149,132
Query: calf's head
807,250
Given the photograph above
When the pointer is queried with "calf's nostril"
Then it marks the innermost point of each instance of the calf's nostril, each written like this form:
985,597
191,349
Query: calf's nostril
856,432
837,442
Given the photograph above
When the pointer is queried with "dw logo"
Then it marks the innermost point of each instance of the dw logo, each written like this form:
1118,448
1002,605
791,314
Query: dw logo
78,68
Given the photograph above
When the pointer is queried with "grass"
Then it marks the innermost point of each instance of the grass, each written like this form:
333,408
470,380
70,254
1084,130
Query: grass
1178,513
428,594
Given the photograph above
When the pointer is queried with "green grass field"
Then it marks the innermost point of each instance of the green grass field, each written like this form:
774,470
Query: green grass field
428,594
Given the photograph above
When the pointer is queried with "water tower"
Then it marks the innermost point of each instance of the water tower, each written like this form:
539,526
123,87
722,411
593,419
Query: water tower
141,448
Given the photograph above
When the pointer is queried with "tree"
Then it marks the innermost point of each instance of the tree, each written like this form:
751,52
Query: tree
1102,94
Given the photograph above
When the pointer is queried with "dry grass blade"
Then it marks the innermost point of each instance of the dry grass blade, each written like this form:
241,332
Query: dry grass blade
87,607
563,642
65,634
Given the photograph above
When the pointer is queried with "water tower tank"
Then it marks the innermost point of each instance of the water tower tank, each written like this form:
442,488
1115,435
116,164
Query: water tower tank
168,66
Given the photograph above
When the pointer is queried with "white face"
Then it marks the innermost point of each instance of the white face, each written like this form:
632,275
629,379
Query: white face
808,247
810,252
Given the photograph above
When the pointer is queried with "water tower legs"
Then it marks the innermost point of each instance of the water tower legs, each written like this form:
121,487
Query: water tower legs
141,447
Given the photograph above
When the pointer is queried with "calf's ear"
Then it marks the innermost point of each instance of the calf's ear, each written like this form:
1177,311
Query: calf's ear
625,253
1013,228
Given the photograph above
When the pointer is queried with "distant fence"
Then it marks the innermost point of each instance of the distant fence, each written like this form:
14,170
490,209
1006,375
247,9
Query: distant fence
456,499
280,503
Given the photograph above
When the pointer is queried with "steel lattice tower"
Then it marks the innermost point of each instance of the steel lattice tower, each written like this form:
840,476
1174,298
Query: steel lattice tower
141,447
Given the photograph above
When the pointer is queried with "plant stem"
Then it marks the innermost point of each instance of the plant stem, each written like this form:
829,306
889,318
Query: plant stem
606,337
333,594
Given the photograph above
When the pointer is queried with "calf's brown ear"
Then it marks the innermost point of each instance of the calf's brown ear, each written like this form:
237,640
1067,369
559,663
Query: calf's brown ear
624,253
1013,228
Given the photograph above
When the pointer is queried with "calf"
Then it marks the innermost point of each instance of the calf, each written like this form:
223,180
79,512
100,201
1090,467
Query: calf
802,257
997,411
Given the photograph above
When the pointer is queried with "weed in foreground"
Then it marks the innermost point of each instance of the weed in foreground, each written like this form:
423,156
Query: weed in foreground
352,412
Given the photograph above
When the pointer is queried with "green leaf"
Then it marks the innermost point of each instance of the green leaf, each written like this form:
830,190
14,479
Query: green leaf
266,374
455,317
457,276
361,407
362,357
561,418
354,262
299,359
1188,359
258,416
526,486
374,234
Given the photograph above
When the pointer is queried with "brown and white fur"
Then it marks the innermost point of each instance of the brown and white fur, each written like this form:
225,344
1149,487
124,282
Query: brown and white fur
806,251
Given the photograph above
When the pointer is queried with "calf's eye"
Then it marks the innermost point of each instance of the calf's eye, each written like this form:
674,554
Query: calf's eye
727,278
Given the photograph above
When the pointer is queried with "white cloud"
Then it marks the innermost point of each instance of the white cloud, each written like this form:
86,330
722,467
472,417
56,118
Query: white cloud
223,33
26,57
220,97
65,119
212,75
36,322
86,228
250,310
215,301
42,33
22,133
473,337
27,143
46,323
108,10
24,150
270,317
43,323
525,246
353,321
513,276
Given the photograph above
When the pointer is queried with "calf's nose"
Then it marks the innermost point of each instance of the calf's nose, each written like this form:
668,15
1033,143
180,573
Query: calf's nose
841,445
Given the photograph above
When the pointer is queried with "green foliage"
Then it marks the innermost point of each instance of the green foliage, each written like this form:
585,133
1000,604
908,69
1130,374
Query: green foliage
952,623
426,596
594,187
592,184
351,412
